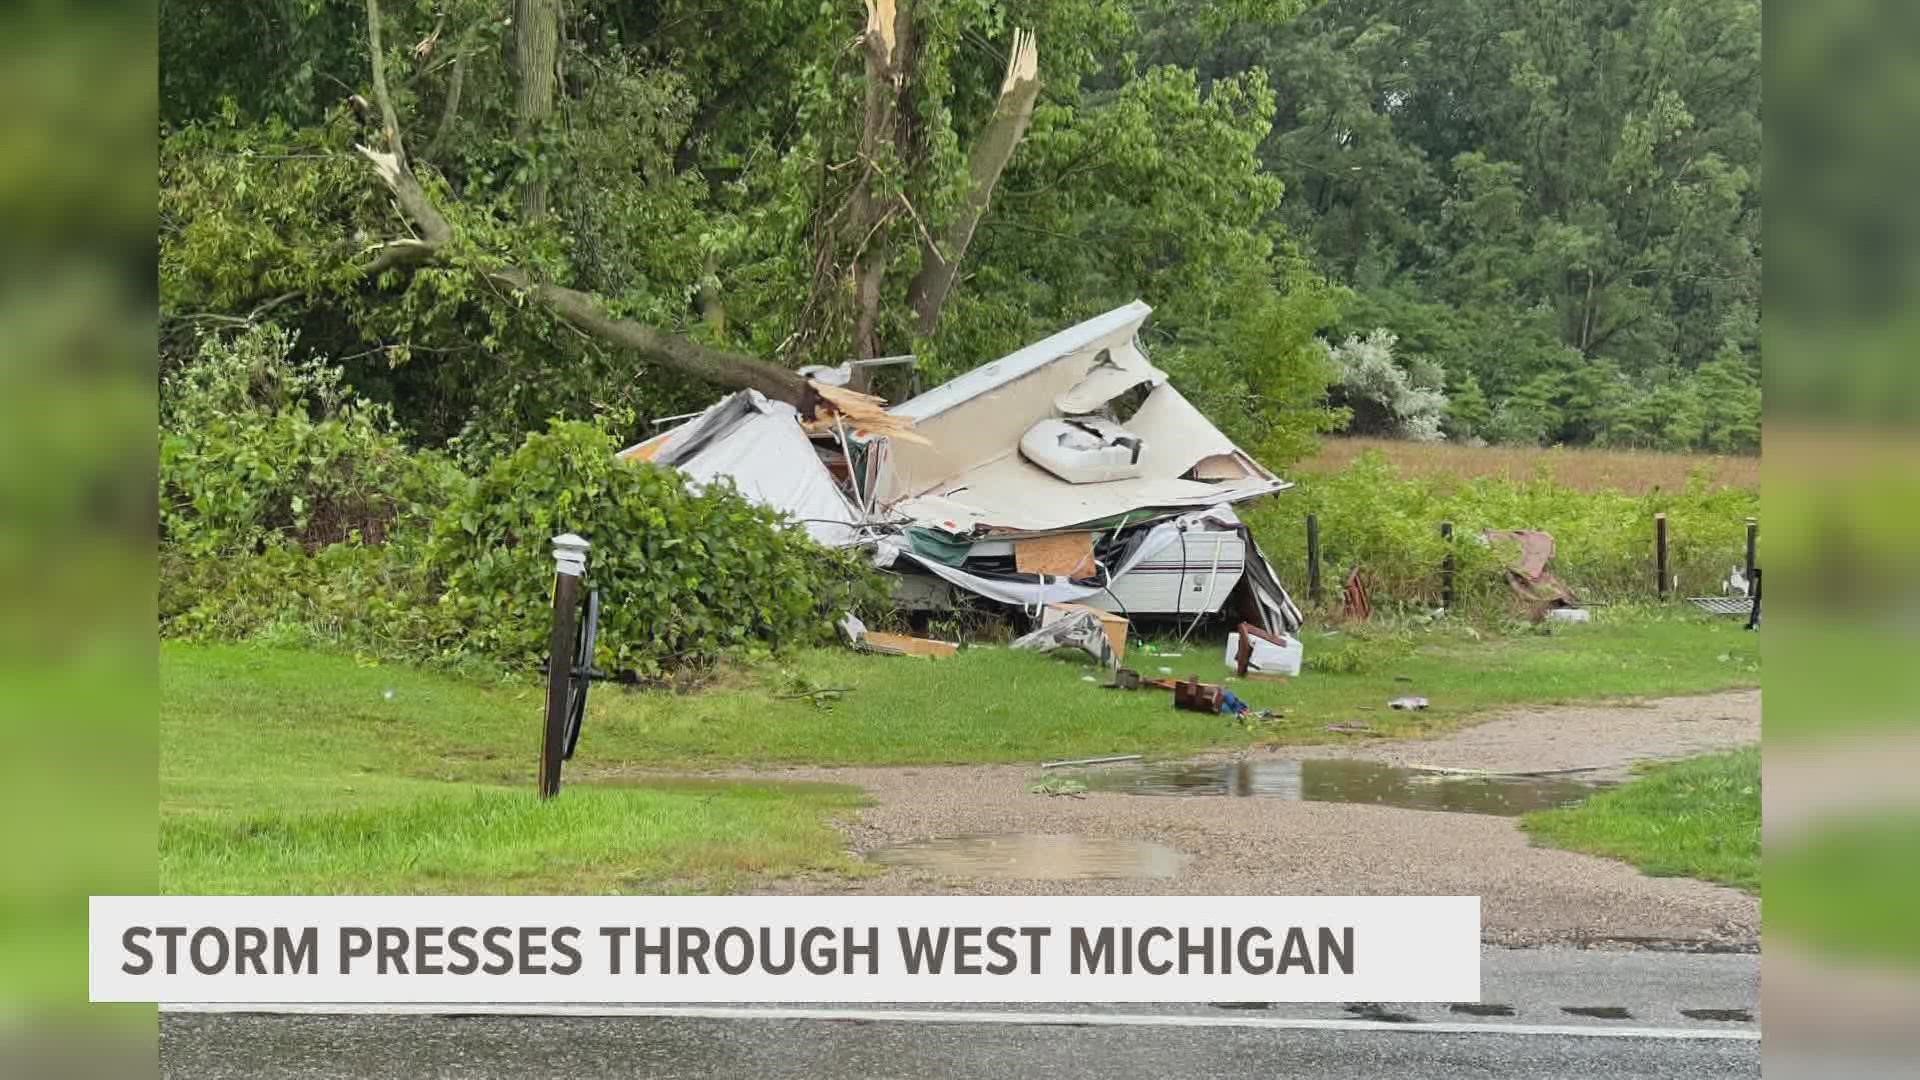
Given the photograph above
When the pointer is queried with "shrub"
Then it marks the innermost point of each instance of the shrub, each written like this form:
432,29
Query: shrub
682,575
1401,397
288,504
258,450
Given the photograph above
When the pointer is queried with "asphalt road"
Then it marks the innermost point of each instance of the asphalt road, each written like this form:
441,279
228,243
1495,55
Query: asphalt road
1544,1013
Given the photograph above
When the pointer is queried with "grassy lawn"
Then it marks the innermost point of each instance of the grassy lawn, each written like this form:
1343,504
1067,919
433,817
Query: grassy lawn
997,705
286,772
1847,886
289,771
1695,818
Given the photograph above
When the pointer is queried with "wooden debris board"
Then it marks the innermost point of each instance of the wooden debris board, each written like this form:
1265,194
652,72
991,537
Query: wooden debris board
1060,555
907,645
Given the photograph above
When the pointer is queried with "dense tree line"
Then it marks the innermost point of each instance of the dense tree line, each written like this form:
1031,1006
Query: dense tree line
491,212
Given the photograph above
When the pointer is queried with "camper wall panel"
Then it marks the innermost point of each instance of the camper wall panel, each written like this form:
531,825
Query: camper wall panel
1169,582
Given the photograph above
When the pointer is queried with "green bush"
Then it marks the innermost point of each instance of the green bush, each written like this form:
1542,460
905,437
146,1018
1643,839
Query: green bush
293,510
259,450
1373,517
290,505
682,575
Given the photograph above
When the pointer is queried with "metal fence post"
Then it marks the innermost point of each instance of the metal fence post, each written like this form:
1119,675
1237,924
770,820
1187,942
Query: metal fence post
1447,567
569,566
1753,546
1313,558
1662,580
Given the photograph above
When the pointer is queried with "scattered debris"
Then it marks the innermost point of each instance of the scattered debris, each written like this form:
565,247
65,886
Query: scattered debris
1088,678
1353,598
1732,606
852,628
1407,703
1125,679
1071,787
1090,761
1351,729
1569,615
1251,650
907,645
1539,591
1196,696
1081,628
1114,626
823,692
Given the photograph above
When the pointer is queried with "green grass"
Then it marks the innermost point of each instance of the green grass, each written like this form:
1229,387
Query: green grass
1696,818
997,705
1847,887
288,772
224,705
303,772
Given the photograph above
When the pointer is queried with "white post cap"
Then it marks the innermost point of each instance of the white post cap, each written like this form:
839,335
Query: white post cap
570,554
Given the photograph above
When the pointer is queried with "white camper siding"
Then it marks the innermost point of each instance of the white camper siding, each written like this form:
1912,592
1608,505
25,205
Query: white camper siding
1171,582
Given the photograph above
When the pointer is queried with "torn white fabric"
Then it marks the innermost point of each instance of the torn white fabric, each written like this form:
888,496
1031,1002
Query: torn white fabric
758,445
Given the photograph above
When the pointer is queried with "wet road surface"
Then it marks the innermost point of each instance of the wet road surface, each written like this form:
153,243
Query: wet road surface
1544,1013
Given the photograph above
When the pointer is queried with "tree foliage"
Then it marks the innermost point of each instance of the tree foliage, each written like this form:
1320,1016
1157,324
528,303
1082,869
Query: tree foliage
1557,202
1554,203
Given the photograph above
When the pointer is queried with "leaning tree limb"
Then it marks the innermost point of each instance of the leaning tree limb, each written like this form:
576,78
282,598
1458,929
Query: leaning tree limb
580,309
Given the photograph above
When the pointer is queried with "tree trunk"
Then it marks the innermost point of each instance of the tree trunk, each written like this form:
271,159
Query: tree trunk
887,46
992,149
536,60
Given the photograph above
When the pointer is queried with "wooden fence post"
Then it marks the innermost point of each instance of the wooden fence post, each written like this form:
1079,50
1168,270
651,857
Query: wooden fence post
1313,558
1662,580
1753,547
1447,567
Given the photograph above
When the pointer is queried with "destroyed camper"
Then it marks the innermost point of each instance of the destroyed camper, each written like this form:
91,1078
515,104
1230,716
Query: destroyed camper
1069,471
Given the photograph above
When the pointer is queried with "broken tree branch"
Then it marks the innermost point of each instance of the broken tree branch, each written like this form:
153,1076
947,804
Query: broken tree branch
886,48
579,309
992,149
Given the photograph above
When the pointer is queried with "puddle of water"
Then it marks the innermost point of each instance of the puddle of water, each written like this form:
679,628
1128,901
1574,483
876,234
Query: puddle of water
1348,781
1036,855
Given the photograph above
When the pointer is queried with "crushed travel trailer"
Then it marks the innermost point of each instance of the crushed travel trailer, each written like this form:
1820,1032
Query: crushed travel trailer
1070,471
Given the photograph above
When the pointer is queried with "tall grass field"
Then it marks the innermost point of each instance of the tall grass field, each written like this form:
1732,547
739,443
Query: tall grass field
1582,468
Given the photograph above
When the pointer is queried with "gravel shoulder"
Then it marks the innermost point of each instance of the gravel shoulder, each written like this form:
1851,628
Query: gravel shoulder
1252,846
1605,739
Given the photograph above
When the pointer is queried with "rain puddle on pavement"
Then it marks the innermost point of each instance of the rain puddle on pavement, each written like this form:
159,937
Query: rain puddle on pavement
1347,781
1036,855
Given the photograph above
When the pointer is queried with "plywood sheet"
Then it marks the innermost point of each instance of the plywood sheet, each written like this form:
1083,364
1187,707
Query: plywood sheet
1060,555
